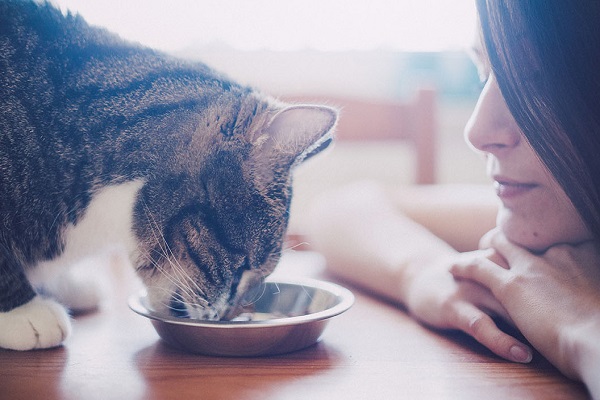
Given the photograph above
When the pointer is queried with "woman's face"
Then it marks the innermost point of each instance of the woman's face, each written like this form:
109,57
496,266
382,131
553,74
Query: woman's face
534,212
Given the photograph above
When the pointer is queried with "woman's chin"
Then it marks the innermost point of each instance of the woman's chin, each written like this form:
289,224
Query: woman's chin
524,235
535,246
536,240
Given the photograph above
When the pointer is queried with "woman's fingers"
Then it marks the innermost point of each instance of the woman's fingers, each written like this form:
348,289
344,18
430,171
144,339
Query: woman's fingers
482,328
512,253
486,240
480,270
482,298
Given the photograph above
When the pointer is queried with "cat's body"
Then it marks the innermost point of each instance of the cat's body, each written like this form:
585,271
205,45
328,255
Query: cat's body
103,143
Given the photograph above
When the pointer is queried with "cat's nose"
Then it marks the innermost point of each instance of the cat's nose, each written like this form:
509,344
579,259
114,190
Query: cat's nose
249,290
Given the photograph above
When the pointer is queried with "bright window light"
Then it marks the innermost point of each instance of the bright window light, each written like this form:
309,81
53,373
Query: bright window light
328,25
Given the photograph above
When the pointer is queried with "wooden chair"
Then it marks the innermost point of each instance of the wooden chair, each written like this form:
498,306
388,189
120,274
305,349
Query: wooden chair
414,122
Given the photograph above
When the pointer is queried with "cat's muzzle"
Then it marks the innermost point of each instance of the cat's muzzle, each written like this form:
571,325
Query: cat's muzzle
250,288
247,291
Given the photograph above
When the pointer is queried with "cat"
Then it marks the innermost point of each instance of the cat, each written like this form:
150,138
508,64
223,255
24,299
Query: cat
108,143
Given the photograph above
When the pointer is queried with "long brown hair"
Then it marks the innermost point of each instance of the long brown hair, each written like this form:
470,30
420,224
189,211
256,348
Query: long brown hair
546,58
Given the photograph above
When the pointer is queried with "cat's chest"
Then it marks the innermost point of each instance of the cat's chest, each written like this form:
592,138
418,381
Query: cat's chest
106,225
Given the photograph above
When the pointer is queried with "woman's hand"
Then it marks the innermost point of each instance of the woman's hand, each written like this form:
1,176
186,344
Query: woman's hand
551,298
368,241
434,297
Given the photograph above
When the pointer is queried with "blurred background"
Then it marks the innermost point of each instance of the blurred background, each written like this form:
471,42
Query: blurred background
381,51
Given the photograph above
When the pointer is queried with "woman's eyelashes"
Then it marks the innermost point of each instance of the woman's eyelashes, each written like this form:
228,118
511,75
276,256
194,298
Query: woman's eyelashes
481,64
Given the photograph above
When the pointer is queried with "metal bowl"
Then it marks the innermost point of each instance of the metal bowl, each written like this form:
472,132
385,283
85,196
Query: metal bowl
279,317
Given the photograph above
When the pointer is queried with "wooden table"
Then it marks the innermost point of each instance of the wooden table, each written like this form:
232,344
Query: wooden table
373,351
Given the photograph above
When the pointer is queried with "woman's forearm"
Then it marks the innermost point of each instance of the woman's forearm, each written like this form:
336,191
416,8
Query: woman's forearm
367,241
459,214
585,345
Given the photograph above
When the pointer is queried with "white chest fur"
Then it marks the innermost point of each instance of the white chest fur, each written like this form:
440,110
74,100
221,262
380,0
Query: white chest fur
75,278
105,226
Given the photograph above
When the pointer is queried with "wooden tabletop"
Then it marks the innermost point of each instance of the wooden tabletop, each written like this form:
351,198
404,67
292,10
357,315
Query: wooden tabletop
373,351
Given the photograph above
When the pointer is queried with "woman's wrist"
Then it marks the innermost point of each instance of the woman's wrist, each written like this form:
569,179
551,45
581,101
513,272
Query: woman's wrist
581,349
425,274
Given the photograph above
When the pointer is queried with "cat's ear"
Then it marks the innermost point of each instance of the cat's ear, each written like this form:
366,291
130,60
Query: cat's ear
298,132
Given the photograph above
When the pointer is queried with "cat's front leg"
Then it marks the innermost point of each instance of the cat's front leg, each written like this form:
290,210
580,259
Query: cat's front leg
39,324
27,321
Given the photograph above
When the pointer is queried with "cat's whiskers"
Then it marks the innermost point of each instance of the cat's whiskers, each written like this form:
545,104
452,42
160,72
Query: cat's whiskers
186,282
174,275
291,248
178,276
169,305
161,270
177,283
177,267
174,279
257,298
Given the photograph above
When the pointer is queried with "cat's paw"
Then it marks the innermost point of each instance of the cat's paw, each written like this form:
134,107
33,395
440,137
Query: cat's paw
39,324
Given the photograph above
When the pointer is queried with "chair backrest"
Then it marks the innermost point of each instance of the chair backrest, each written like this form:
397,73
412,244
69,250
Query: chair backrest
413,121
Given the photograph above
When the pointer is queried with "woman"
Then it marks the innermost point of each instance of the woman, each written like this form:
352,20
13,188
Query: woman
537,122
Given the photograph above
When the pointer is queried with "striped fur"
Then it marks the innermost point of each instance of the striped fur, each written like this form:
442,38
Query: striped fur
83,111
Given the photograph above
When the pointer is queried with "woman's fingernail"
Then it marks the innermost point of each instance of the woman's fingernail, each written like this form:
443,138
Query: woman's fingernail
521,354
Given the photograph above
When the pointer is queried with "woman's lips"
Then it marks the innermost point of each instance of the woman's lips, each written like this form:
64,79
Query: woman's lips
508,189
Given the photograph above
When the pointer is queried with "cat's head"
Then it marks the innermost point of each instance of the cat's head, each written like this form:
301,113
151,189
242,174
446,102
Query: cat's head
219,227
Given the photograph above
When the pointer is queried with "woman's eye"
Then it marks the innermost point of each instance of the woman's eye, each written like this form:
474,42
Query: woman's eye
483,71
483,78
482,65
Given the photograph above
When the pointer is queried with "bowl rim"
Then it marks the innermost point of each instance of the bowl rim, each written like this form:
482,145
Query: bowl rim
345,296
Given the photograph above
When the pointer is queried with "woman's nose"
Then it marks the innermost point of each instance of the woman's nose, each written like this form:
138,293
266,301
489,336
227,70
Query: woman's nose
492,128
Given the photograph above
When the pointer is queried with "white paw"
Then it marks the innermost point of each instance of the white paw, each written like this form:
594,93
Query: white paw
39,324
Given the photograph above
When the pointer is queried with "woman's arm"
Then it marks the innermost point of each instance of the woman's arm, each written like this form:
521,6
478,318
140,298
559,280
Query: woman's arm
586,354
367,241
459,214
366,224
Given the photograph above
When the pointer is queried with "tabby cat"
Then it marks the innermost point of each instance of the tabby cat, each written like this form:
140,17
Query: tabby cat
105,143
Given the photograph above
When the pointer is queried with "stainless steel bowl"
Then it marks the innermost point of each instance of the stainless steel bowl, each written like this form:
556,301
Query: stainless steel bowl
280,317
